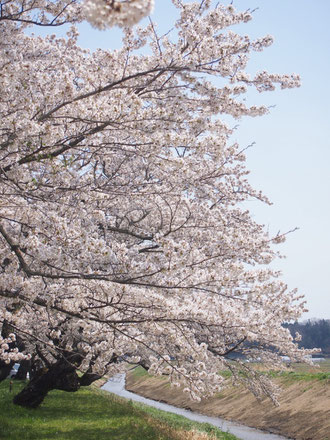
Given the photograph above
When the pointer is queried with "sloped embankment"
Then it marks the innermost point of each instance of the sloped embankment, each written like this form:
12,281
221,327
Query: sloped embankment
303,414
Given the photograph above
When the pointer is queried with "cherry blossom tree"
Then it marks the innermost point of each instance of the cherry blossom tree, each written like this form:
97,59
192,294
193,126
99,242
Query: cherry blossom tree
123,231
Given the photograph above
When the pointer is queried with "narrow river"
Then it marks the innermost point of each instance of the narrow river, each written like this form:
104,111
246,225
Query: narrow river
116,385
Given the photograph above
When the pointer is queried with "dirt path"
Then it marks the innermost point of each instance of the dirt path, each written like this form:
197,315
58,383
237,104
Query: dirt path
303,414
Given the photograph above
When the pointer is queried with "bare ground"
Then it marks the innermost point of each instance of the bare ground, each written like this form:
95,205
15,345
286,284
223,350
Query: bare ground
303,414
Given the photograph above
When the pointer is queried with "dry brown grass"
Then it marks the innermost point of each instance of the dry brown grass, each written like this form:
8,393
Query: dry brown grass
194,435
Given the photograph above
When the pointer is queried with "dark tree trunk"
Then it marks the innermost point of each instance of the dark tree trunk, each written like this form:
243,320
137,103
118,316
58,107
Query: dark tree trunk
36,368
5,370
23,370
68,381
61,375
88,378
36,390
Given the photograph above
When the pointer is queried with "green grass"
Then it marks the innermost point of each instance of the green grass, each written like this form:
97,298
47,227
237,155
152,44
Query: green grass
92,414
294,375
179,422
139,372
296,372
304,372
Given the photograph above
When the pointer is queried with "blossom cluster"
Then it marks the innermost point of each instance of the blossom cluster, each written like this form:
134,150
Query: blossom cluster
9,354
107,13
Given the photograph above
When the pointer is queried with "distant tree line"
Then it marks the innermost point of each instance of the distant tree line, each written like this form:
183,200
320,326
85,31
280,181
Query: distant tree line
314,333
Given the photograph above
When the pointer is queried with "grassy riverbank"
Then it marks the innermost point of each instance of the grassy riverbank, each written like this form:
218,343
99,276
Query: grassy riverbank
303,414
93,414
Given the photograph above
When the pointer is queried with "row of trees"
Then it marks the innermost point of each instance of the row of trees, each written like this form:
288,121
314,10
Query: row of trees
314,333
123,234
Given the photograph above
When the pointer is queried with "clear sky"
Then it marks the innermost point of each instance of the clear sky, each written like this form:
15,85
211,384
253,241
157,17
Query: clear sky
290,161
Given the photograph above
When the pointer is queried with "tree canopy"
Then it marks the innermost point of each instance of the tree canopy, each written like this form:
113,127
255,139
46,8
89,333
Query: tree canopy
123,230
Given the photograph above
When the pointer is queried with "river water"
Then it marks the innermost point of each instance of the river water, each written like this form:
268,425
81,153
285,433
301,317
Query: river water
116,385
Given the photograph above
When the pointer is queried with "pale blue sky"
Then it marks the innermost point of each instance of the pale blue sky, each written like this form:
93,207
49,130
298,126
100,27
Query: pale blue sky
291,157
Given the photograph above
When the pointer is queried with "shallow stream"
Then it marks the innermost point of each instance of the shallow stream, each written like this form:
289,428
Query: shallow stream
116,385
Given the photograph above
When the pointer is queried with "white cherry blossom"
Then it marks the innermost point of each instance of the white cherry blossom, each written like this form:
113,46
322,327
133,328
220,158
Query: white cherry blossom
123,233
